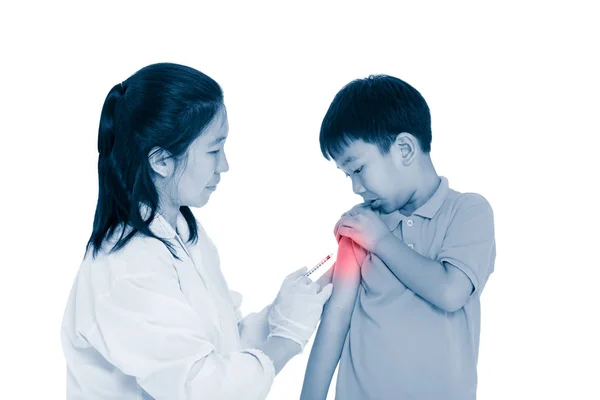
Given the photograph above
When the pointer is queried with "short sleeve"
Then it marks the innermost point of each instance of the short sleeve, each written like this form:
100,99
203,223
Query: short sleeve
469,243
145,328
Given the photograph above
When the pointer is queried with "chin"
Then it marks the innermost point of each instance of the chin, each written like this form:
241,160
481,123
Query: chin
198,203
387,208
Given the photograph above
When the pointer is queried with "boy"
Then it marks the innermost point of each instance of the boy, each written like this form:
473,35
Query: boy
404,317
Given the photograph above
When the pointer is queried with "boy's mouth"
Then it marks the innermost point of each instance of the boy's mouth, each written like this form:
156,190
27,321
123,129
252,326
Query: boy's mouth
374,203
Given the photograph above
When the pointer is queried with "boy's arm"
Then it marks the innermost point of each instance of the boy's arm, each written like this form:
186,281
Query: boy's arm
463,264
335,322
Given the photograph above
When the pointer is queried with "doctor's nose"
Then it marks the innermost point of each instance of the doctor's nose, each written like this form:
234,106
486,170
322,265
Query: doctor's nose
223,165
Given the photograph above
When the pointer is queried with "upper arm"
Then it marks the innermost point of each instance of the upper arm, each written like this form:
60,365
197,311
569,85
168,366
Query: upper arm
346,274
469,249
335,322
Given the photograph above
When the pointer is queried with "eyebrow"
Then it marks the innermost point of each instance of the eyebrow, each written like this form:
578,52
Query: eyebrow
348,160
217,141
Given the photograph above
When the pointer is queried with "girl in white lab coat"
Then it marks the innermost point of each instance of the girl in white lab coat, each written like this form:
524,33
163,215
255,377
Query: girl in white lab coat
150,315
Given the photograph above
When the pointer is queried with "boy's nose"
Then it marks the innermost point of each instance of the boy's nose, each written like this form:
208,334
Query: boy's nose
357,187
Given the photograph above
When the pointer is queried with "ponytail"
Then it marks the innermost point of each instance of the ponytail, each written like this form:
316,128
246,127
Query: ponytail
106,131
110,203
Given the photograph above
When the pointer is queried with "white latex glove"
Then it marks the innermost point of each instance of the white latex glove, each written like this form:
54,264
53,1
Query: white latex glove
297,309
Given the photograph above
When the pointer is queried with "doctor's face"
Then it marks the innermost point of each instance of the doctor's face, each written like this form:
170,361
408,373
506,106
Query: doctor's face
200,174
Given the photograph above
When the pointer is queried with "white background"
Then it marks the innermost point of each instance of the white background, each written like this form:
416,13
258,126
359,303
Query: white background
513,91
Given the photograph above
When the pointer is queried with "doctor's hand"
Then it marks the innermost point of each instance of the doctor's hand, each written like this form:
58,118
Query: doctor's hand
297,308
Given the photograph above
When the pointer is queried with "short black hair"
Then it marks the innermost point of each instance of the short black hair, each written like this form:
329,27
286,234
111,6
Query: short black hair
375,109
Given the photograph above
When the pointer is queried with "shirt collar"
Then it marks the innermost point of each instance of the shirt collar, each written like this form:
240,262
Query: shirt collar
432,206
427,210
161,228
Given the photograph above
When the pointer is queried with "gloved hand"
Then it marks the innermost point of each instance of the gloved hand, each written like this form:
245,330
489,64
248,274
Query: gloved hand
297,308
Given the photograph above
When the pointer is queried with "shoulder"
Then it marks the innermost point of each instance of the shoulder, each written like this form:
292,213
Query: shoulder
466,212
471,214
457,202
466,201
141,256
183,228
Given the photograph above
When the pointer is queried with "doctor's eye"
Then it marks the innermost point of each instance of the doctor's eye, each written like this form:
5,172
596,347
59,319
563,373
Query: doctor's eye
214,151
357,171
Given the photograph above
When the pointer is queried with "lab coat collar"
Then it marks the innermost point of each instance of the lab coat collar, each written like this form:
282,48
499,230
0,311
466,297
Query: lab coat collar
161,228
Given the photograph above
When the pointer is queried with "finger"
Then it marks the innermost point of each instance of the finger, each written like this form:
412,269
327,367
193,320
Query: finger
314,288
308,288
304,280
298,273
342,221
346,231
345,221
335,228
350,222
325,293
359,208
367,211
326,278
355,211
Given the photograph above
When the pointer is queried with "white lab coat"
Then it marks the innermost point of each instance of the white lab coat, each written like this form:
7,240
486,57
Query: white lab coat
140,324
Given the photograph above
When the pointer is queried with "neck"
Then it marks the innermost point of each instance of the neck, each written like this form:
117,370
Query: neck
427,184
167,207
169,212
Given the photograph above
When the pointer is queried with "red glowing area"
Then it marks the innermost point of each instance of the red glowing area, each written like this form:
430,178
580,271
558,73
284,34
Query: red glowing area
350,258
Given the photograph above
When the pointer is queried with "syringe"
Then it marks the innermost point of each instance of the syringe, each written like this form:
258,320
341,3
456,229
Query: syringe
316,267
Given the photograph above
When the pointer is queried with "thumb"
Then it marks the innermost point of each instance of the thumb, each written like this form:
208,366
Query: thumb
325,293
296,274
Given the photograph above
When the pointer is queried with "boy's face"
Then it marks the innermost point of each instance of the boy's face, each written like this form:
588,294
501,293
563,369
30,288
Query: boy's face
383,181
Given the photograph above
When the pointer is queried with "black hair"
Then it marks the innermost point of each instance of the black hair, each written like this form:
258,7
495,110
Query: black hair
162,105
375,109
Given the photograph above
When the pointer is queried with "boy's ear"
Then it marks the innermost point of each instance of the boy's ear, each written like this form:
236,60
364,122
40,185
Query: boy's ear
161,161
405,148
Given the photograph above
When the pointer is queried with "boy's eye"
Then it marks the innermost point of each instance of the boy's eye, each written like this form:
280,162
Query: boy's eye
356,171
214,152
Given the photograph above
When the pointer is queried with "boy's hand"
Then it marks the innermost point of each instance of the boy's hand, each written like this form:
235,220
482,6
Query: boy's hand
363,226
351,212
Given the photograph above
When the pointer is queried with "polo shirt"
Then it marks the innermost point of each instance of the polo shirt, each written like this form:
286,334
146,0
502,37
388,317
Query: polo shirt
400,346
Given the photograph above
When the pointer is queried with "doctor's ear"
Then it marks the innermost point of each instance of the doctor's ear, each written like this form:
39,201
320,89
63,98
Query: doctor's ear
161,161
404,149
